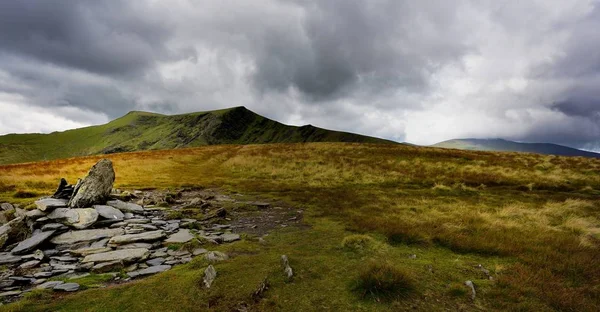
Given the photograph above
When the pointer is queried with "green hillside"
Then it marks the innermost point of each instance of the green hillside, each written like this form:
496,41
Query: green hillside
148,131
509,146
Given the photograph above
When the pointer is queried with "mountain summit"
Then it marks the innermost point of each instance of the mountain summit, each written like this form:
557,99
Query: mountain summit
510,146
138,131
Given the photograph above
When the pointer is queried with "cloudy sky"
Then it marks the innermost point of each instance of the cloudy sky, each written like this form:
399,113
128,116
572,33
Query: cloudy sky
416,71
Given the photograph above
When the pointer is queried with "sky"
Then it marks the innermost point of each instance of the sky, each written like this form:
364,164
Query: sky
416,71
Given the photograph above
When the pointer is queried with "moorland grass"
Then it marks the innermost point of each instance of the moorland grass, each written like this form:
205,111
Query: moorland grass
532,220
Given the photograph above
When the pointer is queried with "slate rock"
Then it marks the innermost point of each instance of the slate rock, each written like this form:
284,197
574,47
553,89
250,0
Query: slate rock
108,212
11,293
49,285
64,214
29,264
155,261
89,251
54,227
230,237
31,243
111,266
42,274
199,251
69,287
132,238
125,207
210,274
216,256
95,188
125,255
149,271
64,190
135,245
35,214
48,204
7,206
182,236
13,231
85,236
86,217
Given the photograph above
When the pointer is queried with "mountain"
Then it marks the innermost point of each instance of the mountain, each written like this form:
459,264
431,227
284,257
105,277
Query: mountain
149,131
510,146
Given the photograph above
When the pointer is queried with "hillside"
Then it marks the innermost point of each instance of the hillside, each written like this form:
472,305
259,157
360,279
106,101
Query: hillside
510,146
138,131
522,227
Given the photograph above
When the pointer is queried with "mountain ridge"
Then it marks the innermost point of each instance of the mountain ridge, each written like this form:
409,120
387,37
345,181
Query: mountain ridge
138,130
502,145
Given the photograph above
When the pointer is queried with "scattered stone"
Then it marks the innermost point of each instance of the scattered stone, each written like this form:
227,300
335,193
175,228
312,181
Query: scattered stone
6,206
412,256
101,243
178,253
69,287
155,261
149,271
65,214
64,258
31,243
29,264
132,238
471,285
229,237
260,290
64,190
86,217
109,212
125,207
50,284
108,266
125,255
13,231
78,276
11,293
22,280
35,214
85,236
135,245
485,271
287,269
216,256
47,204
182,236
42,274
95,187
209,276
82,267
199,251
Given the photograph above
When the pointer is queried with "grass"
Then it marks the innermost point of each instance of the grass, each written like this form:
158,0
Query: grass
533,221
383,280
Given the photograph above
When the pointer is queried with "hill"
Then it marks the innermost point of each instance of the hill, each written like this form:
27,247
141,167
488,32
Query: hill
139,131
382,227
510,146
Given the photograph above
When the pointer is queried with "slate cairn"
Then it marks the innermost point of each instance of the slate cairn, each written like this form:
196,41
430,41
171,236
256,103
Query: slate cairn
84,229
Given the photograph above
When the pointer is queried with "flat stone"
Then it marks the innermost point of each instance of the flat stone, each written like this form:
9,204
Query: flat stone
100,243
134,231
159,222
89,251
111,266
108,212
215,256
125,255
42,274
53,227
183,236
6,283
7,257
155,261
66,214
138,221
230,237
35,215
70,287
11,293
47,204
199,251
118,225
128,215
22,280
85,236
6,206
50,284
125,207
178,253
57,265
132,238
82,267
149,271
29,264
135,245
87,217
145,227
31,243
64,258
78,276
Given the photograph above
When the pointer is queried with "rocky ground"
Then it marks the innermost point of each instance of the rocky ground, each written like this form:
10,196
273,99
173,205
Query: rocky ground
127,234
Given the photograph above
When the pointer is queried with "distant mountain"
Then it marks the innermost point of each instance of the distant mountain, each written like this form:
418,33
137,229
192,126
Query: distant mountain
510,146
148,131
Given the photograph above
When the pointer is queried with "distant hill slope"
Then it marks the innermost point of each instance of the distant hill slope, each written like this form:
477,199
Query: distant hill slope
146,131
510,146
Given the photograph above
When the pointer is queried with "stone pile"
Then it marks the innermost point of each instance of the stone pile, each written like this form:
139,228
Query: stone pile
88,231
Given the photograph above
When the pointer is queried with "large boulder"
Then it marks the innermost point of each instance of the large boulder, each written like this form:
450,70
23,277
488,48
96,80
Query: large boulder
14,231
125,255
85,236
31,243
95,187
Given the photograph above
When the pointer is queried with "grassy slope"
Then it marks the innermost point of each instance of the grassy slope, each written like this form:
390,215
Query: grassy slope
532,220
147,131
509,146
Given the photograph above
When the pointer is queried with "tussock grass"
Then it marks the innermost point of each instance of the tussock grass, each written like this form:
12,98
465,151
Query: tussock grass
382,280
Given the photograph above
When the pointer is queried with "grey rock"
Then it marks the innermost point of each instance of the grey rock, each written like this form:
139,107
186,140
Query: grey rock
69,287
13,231
31,243
82,267
135,245
125,255
78,276
47,204
64,258
287,269
6,283
171,227
132,238
85,218
145,227
134,231
64,214
215,256
471,286
111,266
210,274
11,293
155,261
108,212
128,215
185,260
149,271
42,274
100,243
138,221
182,236
53,227
29,264
50,252
125,207
89,251
49,285
199,251
57,265
178,253
85,236
118,225
22,280
6,206
95,187
230,237
159,222
35,215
